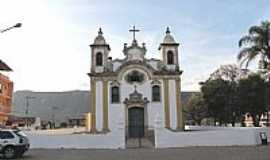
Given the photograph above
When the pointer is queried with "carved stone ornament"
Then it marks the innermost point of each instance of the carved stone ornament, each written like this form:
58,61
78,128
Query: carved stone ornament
136,97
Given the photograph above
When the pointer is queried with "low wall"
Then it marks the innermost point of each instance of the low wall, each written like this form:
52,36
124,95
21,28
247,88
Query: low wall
77,141
115,139
208,136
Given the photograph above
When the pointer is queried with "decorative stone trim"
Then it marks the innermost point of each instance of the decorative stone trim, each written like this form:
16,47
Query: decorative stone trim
166,103
115,83
155,82
105,107
179,108
136,98
93,107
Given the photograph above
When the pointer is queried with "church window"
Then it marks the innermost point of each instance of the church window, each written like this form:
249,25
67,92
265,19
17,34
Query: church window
99,59
170,58
156,93
115,94
135,76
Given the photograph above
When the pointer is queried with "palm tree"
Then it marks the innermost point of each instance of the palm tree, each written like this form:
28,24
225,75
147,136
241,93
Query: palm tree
256,43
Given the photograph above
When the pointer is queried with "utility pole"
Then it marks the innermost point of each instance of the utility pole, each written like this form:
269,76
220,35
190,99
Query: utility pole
27,98
54,108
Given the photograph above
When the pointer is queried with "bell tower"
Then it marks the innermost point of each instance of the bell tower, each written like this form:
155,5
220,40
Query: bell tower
169,51
99,54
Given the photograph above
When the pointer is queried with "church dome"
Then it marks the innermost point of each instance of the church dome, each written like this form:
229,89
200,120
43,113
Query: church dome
168,39
100,40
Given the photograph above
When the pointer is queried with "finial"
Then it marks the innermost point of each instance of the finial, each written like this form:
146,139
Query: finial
135,88
143,45
100,31
134,42
168,30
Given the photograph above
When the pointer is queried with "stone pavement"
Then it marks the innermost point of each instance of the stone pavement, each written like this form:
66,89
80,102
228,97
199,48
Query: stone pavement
190,153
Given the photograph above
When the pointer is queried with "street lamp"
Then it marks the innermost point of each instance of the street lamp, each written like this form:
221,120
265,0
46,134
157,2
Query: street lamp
18,25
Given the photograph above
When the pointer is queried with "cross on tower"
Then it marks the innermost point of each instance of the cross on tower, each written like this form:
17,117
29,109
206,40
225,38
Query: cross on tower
134,30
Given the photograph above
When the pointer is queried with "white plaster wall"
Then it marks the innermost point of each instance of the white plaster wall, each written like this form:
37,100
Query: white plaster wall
156,108
145,88
111,140
135,54
153,108
99,105
169,48
99,69
214,137
153,63
116,112
116,65
172,99
116,115
171,67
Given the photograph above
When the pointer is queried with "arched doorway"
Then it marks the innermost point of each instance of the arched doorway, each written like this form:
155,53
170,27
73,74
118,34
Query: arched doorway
136,122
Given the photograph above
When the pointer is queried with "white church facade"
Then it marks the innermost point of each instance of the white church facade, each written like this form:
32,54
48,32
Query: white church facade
135,90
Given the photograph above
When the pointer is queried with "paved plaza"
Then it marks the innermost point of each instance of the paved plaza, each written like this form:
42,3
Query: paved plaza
190,153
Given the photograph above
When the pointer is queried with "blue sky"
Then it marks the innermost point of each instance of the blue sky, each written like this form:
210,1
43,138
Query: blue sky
51,53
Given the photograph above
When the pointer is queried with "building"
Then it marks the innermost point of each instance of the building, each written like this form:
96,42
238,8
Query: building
135,90
264,121
6,90
54,107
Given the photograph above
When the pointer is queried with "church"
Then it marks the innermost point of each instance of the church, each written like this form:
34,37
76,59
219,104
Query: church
135,89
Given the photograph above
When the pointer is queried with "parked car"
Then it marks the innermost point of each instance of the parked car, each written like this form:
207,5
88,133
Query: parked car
13,143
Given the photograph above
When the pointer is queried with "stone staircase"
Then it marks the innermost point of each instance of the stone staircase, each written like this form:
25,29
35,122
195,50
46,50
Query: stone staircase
139,143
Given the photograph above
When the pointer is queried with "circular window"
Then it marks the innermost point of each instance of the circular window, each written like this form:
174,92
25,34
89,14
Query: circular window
135,77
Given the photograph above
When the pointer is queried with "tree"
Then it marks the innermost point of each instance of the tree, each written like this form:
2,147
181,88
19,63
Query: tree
230,73
215,95
256,43
252,94
196,108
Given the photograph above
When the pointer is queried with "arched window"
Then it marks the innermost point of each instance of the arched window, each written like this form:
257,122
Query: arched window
135,76
115,94
99,59
156,93
170,58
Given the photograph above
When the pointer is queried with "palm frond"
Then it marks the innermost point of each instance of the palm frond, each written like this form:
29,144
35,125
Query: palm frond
256,30
252,55
245,40
257,42
243,53
248,54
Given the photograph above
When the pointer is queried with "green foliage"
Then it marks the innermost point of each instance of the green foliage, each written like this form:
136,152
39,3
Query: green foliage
196,108
228,101
252,93
216,94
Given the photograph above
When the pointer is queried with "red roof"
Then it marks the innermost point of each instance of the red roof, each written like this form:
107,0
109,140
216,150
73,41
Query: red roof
4,66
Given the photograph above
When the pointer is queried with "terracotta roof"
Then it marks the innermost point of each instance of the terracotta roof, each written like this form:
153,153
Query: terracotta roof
4,66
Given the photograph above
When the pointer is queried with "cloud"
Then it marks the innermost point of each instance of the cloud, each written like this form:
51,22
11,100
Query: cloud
51,53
